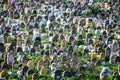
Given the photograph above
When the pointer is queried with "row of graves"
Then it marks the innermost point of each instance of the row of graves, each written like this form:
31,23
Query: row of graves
55,40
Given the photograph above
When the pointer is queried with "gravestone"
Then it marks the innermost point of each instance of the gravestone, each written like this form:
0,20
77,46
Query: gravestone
30,72
70,49
24,59
40,64
61,37
55,38
57,75
24,71
22,25
109,40
15,64
98,63
74,32
3,73
35,76
4,65
42,52
27,42
117,60
16,14
13,45
96,47
80,36
88,37
9,39
10,58
107,51
32,52
70,39
43,71
112,59
36,26
2,47
66,74
36,44
90,41
85,52
99,50
30,65
46,62
19,49
102,55
19,41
